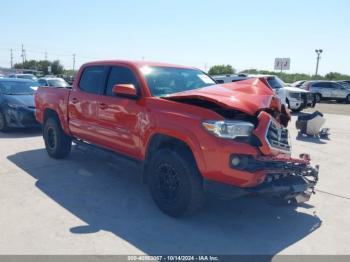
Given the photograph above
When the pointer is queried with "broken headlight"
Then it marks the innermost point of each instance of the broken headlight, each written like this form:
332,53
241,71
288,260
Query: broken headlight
228,129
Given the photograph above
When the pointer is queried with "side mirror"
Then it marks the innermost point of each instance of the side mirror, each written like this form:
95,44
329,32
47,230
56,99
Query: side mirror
125,90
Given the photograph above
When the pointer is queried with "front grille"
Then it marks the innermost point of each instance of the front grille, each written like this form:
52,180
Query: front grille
278,137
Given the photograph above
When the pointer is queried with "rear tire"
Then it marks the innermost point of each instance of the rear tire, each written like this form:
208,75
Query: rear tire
297,110
3,123
175,183
348,99
57,143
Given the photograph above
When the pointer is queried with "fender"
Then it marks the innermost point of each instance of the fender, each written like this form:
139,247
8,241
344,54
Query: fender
184,135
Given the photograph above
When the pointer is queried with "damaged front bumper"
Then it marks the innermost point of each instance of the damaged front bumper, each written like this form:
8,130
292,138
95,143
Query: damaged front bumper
287,179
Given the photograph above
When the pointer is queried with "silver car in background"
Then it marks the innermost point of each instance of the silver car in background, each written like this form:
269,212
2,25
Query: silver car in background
328,90
53,82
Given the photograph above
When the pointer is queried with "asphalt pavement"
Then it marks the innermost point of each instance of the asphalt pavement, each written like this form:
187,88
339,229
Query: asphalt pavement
91,203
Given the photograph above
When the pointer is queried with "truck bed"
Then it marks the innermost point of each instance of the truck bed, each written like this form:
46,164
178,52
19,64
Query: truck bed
55,99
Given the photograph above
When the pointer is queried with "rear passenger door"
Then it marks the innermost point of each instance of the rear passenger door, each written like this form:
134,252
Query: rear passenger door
323,88
338,91
83,103
121,120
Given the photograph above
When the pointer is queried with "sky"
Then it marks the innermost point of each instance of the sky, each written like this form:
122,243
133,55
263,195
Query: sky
200,33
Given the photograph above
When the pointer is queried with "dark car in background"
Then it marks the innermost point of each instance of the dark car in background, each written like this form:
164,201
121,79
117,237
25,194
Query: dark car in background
53,82
17,106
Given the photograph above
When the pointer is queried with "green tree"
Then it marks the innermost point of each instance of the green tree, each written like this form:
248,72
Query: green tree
57,68
221,70
336,76
293,77
42,65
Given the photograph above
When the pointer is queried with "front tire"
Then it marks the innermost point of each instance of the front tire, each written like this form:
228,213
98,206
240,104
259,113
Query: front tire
318,97
297,110
57,143
175,183
348,99
3,123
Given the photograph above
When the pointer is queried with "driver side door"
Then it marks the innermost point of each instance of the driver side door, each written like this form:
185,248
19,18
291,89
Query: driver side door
121,120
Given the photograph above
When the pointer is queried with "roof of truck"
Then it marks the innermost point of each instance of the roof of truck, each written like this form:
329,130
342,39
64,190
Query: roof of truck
137,63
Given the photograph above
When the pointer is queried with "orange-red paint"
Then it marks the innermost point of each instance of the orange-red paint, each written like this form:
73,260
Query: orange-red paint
127,125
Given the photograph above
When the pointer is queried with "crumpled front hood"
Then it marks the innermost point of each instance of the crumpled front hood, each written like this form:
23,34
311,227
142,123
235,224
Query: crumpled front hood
249,96
25,100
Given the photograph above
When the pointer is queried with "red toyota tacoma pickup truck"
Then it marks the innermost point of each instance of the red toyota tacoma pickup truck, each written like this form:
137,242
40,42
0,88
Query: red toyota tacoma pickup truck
190,134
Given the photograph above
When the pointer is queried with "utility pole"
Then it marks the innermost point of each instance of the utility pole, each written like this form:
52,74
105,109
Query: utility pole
318,52
73,62
11,58
23,55
46,56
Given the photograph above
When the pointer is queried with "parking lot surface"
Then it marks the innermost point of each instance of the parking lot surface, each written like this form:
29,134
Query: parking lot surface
91,203
331,107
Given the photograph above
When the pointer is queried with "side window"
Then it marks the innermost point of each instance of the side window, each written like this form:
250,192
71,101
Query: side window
336,86
120,75
219,81
42,82
93,79
321,85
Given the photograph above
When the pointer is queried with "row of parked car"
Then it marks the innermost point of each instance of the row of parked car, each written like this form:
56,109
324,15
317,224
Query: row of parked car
49,80
301,94
17,101
327,90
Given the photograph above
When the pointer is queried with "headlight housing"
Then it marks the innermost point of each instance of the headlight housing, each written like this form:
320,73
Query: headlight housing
228,129
295,95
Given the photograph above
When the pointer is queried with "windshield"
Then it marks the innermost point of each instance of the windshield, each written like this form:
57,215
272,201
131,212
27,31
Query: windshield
57,82
163,81
30,77
276,82
18,88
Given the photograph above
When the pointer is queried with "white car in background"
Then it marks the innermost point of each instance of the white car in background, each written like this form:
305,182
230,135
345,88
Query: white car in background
296,98
52,81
